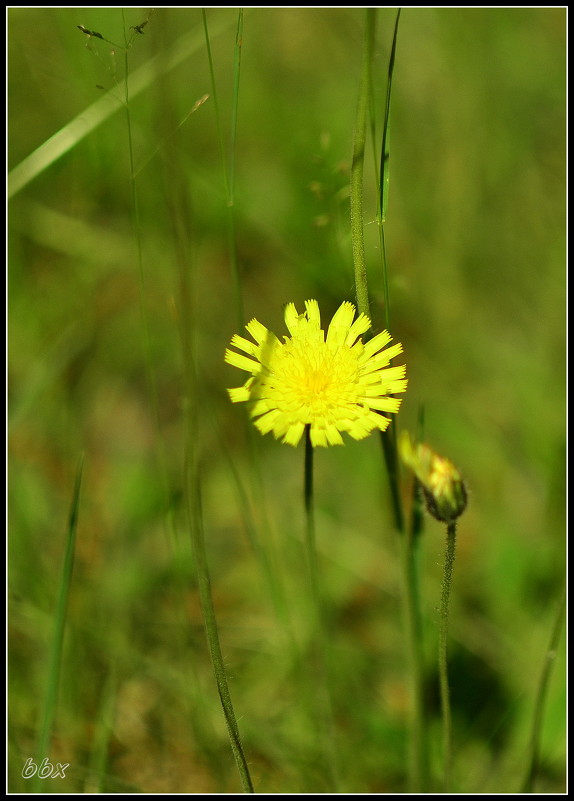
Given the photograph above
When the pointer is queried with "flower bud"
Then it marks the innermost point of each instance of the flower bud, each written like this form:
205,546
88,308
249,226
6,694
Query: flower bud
442,484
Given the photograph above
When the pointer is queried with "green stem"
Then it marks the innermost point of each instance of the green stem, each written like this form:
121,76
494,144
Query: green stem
443,657
389,443
534,759
309,511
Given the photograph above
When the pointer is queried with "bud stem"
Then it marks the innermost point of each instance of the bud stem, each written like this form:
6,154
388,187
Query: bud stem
442,651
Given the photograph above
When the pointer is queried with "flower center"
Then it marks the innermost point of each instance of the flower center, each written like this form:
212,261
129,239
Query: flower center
311,378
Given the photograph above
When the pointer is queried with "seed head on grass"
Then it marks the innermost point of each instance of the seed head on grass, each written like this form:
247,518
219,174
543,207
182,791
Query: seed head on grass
332,384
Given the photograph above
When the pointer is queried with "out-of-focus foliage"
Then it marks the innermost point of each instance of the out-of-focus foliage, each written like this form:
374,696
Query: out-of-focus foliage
476,248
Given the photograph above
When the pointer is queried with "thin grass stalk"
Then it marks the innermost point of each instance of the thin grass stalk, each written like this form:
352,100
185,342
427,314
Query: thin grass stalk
229,173
231,184
384,173
228,166
389,437
419,751
357,167
180,217
215,98
102,109
193,496
541,695
55,657
137,229
418,744
137,233
196,527
443,652
151,380
234,111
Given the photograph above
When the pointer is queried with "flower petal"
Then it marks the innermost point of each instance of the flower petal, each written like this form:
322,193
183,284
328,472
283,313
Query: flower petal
237,360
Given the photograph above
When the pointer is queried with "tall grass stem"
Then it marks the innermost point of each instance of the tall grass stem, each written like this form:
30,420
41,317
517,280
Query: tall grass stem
196,527
193,496
418,744
384,173
357,167
388,437
228,163
541,695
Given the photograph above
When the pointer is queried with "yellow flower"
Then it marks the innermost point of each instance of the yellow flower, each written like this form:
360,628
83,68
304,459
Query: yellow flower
332,384
442,483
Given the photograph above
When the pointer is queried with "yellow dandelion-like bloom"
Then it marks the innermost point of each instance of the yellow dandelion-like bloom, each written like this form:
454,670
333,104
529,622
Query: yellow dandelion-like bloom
331,384
442,483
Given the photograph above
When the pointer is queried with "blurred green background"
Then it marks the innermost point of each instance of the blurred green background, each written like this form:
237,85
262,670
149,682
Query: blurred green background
476,252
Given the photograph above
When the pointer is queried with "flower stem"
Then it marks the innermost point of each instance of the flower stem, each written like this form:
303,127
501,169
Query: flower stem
322,689
419,771
442,655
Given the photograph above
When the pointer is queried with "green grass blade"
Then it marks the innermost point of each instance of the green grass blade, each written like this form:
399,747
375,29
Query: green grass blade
384,173
385,149
99,112
55,657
